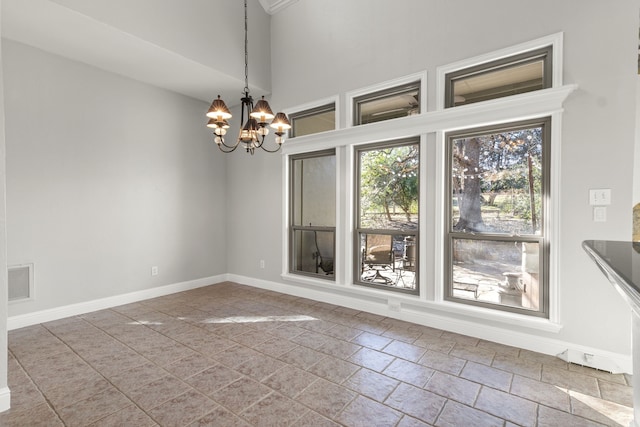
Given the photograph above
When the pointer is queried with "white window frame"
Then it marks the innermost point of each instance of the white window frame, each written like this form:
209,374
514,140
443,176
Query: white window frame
389,84
554,40
431,126
335,100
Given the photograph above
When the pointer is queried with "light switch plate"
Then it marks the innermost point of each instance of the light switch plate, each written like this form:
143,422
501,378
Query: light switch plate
600,197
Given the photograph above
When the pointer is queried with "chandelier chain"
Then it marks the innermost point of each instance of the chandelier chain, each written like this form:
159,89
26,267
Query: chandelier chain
246,50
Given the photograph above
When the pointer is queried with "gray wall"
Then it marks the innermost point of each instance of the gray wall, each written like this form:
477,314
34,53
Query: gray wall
3,243
106,177
331,47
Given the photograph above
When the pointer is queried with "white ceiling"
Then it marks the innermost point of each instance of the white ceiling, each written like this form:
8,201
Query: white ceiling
135,39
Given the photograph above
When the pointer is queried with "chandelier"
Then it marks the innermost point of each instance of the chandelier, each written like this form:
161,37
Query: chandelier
253,132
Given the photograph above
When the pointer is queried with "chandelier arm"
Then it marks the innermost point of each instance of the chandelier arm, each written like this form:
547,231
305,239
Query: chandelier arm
270,151
230,149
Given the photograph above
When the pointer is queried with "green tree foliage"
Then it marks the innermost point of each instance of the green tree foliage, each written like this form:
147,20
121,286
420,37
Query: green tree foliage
508,162
388,177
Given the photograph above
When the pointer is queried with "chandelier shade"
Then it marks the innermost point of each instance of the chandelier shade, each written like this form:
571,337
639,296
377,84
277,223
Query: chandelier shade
253,132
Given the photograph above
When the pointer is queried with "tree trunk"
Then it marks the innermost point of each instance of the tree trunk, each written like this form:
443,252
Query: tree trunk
532,196
468,155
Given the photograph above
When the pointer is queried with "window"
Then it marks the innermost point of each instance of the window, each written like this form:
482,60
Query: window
497,244
314,120
313,214
516,74
387,104
387,203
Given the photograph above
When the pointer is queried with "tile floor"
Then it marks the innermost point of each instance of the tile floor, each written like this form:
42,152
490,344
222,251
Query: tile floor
231,355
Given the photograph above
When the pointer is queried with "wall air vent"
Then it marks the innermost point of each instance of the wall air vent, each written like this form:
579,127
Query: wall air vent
20,282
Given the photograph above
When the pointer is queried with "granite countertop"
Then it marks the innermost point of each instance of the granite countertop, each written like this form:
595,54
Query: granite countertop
620,262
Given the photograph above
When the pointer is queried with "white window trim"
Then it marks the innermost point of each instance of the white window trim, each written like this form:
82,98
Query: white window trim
431,126
389,84
335,100
554,40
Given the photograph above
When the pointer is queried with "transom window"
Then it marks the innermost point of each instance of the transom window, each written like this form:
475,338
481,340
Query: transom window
497,244
516,74
387,199
313,214
400,101
314,120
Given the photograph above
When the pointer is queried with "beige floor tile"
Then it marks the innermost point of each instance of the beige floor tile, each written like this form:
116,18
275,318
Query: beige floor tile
134,378
454,388
275,347
252,337
371,384
339,348
157,392
488,376
600,410
543,393
418,403
442,362
213,379
196,357
71,392
310,339
183,409
333,369
408,421
616,393
372,359
241,394
504,405
129,416
549,417
409,372
364,412
260,367
435,343
25,396
571,380
94,408
473,353
235,355
517,365
342,332
404,350
326,398
456,414
313,419
39,416
302,357
189,366
373,341
290,381
400,333
220,417
274,410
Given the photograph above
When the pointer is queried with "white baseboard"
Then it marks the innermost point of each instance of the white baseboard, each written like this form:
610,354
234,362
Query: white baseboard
5,399
453,322
575,353
23,320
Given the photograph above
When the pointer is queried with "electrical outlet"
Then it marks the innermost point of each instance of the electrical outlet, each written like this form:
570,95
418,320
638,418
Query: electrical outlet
261,263
154,270
600,214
